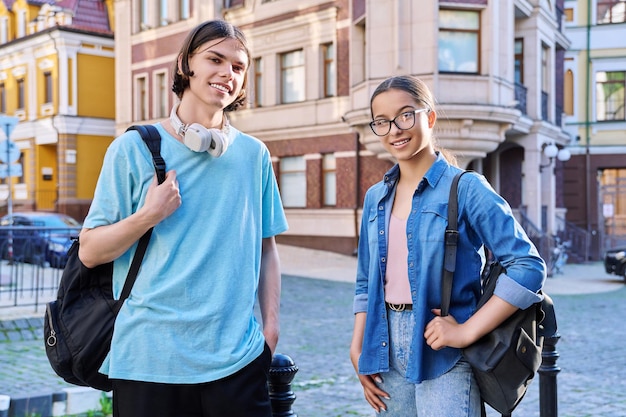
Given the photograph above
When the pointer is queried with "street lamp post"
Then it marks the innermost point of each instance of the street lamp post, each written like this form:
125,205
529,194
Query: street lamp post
12,155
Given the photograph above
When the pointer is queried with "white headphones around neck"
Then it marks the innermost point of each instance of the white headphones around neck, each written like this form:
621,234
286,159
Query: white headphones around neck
200,139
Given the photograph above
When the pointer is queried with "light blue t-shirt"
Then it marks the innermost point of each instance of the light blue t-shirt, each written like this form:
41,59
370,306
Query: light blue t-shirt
190,316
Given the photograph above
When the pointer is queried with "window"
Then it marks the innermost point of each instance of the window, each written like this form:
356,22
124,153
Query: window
292,76
183,9
293,181
21,23
20,94
568,93
545,82
610,100
144,22
258,82
358,52
47,81
611,11
3,98
163,18
519,61
329,73
4,30
613,182
459,32
141,99
545,68
161,95
329,178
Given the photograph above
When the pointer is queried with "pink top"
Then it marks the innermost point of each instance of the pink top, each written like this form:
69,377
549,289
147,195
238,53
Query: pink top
397,287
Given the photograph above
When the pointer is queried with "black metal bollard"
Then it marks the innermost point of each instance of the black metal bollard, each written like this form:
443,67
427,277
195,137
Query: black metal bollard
282,371
548,404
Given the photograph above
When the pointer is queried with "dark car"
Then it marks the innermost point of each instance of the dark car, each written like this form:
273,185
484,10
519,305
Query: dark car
40,238
615,262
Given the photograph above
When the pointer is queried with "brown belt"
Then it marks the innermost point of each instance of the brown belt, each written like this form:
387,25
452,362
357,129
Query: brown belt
399,307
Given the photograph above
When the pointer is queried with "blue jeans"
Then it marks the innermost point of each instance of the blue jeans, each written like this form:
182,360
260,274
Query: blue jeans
454,394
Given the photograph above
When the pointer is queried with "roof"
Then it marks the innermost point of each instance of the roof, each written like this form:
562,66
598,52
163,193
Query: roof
87,15
91,15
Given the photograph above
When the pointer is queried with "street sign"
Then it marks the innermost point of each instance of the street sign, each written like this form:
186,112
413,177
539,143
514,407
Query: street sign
16,170
9,152
8,123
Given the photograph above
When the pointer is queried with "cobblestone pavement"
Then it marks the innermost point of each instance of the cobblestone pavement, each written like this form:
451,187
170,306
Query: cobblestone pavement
316,330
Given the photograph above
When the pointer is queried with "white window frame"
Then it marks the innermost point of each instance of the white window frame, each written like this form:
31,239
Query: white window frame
292,78
292,174
161,92
329,69
140,95
604,101
257,81
458,68
604,66
4,30
329,180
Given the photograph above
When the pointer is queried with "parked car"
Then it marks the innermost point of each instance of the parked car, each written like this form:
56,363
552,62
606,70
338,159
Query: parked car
615,262
40,238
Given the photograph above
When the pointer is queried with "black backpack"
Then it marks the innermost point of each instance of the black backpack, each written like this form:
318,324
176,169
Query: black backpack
78,325
504,361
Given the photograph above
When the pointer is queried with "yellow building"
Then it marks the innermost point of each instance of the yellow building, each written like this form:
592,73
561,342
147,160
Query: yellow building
57,75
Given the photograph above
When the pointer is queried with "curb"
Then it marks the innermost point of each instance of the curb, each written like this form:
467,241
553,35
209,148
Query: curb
21,329
69,401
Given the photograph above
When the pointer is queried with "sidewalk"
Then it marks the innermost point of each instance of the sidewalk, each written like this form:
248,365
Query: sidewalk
576,278
316,328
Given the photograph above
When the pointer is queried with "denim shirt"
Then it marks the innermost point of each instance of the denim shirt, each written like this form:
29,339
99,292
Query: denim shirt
485,218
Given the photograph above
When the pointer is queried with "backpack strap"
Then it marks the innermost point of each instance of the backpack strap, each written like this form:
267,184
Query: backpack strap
151,137
451,239
449,259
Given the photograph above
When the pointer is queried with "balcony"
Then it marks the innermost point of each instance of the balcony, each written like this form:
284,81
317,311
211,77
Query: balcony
520,97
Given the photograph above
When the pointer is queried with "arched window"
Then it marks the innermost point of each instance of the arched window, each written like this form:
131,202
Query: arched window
568,93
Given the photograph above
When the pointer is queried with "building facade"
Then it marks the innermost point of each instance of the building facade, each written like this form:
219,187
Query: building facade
495,67
57,77
595,81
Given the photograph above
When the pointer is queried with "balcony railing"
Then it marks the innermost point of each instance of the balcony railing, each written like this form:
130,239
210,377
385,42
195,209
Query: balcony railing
520,97
558,116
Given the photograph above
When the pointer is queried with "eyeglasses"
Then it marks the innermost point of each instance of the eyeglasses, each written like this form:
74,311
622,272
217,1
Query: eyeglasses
403,121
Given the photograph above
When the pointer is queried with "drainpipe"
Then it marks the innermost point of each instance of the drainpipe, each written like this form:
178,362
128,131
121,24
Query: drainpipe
357,191
56,129
587,121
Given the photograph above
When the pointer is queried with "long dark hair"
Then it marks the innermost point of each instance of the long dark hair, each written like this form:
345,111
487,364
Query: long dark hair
420,93
205,32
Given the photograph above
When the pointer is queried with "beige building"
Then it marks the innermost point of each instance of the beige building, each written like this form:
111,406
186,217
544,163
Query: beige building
595,82
496,68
